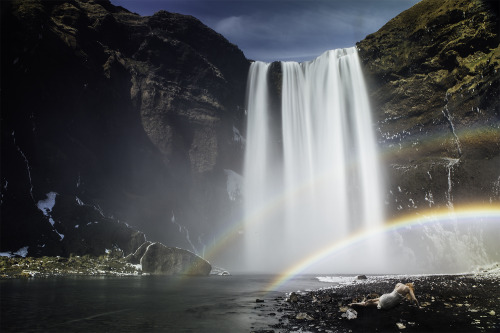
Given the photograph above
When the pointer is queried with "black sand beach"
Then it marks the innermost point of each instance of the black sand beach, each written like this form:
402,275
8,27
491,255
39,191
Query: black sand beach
449,303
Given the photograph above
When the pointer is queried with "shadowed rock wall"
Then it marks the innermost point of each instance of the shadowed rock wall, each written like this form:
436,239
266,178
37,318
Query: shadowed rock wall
126,118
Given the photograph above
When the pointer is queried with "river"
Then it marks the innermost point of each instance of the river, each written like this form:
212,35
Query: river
143,303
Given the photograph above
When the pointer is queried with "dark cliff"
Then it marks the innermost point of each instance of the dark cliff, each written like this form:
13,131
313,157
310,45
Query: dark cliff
135,119
434,81
126,118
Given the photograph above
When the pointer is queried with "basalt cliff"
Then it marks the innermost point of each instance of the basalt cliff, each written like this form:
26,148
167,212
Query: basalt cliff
117,127
112,123
434,82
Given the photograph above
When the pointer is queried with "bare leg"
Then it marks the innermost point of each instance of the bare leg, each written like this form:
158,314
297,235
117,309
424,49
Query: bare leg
369,302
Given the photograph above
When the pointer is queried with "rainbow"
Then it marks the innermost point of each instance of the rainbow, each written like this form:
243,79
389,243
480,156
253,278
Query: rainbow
486,213
231,232
259,215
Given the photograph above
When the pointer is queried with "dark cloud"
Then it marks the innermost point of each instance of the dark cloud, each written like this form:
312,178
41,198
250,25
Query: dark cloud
283,29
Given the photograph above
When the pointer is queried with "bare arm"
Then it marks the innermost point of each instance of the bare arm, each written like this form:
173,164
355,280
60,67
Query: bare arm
413,298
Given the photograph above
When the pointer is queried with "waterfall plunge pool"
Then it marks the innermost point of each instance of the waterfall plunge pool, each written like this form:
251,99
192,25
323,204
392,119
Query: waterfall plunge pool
143,303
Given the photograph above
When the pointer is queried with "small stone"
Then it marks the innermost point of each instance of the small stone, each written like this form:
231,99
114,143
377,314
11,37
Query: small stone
350,314
303,315
401,326
492,313
258,300
294,298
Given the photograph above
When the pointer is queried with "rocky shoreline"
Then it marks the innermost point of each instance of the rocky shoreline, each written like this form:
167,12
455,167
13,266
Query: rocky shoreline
149,258
449,303
105,265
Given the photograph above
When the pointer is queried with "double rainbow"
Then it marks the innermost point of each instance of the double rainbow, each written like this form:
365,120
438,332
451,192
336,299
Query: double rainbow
464,214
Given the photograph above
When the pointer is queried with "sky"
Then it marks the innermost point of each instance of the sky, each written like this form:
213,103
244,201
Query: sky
286,30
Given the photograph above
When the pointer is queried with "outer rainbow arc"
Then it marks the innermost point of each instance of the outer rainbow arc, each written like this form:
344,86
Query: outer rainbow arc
489,212
259,215
232,231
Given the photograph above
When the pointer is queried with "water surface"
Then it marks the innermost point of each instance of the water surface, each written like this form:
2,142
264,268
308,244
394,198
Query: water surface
142,303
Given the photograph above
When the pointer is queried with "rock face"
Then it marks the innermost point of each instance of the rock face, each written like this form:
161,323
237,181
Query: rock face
162,260
434,78
107,116
126,118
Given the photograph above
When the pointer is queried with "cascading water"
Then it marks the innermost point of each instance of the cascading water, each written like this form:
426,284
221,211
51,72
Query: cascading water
318,181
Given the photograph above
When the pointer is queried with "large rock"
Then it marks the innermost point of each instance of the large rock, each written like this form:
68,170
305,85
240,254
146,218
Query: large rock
163,260
434,81
135,258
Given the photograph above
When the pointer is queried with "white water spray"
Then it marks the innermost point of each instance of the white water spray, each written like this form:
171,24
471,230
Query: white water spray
317,182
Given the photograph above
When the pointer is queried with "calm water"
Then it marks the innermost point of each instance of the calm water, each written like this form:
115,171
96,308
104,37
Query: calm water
141,304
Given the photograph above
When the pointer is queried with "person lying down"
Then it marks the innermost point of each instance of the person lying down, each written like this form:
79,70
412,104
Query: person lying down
388,301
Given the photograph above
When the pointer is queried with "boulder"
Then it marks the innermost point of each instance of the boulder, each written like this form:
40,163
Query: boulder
162,260
135,258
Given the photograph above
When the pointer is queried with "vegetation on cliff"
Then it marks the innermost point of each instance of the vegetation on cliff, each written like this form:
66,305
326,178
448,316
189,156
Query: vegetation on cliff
434,78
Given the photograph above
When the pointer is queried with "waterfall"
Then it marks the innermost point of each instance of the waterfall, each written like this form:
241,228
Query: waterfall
311,176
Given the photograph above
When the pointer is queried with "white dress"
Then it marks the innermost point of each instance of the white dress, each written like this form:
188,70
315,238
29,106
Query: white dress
387,301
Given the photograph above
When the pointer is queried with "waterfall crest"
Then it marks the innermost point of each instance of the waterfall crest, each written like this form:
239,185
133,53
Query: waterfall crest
311,170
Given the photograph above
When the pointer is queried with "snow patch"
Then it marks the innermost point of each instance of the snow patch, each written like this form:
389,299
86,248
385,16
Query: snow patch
429,198
79,202
137,267
46,205
22,252
60,235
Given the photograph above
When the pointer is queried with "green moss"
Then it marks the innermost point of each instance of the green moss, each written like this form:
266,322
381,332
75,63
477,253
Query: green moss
57,266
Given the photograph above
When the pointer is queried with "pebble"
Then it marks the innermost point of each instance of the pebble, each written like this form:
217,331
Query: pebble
401,326
303,315
350,314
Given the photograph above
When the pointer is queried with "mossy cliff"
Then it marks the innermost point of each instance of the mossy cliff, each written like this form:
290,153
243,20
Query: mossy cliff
433,74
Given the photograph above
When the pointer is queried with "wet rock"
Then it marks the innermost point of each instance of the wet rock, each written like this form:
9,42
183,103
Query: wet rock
350,314
303,315
162,260
361,277
432,316
401,326
294,298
